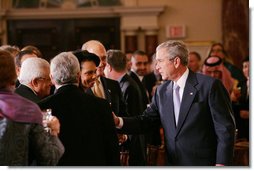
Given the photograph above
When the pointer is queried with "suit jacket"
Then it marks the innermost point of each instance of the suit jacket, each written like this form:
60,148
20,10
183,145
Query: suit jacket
152,137
149,82
142,88
133,99
87,128
206,129
113,95
27,93
131,95
17,83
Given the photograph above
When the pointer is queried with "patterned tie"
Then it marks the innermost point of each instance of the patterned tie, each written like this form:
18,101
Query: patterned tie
177,102
97,90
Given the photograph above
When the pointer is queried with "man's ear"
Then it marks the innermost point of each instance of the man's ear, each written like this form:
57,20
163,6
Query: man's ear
78,75
177,62
17,70
34,82
110,68
52,80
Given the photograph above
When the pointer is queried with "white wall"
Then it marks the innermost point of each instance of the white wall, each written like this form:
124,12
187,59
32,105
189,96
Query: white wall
202,19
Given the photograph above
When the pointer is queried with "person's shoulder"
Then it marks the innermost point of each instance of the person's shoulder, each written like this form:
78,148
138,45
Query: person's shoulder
21,88
113,84
206,81
109,80
133,75
164,85
150,75
92,98
203,77
25,101
100,103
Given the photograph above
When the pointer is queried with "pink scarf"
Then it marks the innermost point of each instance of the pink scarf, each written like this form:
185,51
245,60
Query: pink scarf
19,109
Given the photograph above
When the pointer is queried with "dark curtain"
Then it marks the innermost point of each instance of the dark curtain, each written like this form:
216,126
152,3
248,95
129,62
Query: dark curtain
235,28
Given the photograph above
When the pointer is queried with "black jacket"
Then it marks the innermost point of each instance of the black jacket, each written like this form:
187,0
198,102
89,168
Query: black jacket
87,128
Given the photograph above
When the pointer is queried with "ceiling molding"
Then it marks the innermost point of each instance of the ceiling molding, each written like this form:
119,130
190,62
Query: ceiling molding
93,12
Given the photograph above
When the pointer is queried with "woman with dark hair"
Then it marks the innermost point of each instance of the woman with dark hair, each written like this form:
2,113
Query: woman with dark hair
240,100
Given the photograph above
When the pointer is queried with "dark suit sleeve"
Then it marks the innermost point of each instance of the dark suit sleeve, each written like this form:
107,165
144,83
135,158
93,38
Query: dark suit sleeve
133,101
224,122
143,123
120,102
109,135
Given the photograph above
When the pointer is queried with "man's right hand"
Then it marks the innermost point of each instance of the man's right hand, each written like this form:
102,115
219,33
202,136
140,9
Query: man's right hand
116,119
54,125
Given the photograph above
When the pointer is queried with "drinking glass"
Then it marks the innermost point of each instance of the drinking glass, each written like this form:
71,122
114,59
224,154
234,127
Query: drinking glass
46,117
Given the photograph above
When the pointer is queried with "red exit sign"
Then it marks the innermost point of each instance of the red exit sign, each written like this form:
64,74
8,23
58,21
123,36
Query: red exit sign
175,31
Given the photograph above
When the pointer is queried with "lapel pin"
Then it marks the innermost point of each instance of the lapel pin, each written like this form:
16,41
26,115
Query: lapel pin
191,93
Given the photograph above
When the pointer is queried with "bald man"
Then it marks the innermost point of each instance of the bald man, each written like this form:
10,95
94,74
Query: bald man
96,47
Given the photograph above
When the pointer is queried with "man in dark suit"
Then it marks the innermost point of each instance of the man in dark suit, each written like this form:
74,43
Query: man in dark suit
139,62
202,131
138,72
20,58
87,126
109,88
34,78
116,69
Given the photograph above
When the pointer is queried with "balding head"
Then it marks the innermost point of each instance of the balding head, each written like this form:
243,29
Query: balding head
96,47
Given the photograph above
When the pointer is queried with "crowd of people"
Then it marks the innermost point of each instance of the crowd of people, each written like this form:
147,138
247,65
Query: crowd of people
106,103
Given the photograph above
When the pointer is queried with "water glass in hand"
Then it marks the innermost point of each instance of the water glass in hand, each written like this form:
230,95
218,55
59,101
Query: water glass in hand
46,117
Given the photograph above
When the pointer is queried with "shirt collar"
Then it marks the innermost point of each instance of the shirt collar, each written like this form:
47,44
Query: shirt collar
182,80
121,77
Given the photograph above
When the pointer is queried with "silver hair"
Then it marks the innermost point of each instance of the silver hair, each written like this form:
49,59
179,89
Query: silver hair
64,68
32,68
175,49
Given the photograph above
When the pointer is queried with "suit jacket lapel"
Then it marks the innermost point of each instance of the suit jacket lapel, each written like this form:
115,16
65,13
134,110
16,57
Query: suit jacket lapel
187,99
169,108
